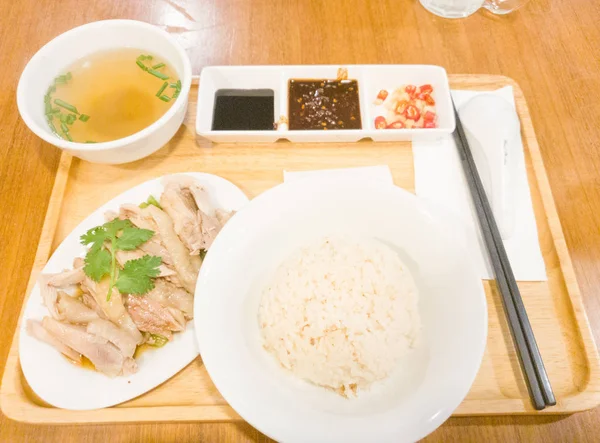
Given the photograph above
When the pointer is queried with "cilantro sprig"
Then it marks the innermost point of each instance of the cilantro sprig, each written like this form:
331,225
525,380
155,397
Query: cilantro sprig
136,276
104,241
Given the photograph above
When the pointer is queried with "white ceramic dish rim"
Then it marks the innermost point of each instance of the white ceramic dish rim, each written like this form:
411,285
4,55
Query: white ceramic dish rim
186,82
436,419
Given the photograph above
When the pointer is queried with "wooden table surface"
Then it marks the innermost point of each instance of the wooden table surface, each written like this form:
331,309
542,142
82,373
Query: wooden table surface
550,47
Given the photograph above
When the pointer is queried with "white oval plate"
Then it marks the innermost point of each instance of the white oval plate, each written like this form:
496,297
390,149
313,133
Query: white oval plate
429,383
65,385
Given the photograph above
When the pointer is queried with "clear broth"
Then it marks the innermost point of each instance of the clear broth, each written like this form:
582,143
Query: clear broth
119,97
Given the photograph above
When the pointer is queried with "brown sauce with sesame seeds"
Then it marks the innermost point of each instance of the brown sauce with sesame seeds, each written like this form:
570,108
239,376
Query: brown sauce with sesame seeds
323,104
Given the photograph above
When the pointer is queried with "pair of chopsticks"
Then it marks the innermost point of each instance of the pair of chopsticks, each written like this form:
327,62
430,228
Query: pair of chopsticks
532,365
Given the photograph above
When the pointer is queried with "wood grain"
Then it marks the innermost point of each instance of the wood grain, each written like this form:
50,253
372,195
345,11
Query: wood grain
550,47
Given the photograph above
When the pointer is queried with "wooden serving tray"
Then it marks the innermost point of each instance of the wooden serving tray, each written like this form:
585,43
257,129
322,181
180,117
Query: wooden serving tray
555,307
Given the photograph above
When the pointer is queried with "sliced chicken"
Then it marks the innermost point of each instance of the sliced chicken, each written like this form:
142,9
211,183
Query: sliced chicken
151,316
174,279
104,355
73,310
178,316
66,278
110,215
186,265
210,229
36,330
125,256
207,215
201,197
49,282
223,216
178,202
111,332
78,262
88,300
155,247
114,310
144,220
195,220
169,295
135,215
49,296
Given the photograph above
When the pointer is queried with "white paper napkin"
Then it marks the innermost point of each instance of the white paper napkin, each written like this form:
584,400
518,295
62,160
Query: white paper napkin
440,182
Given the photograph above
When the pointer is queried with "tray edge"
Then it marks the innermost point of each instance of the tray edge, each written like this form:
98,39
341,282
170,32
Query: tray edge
9,407
565,262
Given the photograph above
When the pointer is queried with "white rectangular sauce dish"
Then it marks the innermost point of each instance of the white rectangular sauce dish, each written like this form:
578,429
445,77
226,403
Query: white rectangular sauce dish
370,79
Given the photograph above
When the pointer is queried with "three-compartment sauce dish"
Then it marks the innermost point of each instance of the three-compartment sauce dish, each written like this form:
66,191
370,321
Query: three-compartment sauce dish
323,103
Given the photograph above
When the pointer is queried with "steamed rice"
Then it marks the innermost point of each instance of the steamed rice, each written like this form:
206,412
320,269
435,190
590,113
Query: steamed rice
340,313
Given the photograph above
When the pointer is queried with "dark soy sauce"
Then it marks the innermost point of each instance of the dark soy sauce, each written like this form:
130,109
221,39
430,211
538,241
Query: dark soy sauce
244,110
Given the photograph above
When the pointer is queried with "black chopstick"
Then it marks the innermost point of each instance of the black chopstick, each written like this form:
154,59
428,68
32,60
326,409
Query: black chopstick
536,377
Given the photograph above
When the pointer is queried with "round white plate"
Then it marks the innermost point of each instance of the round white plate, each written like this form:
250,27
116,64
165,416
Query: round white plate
430,382
65,385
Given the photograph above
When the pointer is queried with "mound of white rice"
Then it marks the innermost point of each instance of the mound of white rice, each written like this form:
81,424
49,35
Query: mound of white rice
340,313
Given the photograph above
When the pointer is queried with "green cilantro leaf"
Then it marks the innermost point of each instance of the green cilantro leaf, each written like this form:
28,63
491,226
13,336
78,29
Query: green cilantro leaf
97,264
114,226
100,260
132,237
136,276
95,236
